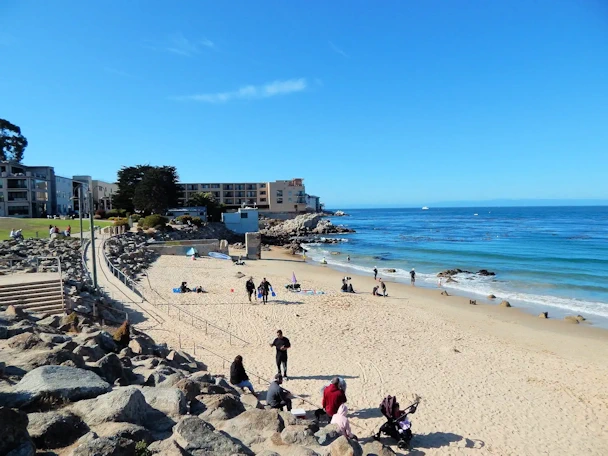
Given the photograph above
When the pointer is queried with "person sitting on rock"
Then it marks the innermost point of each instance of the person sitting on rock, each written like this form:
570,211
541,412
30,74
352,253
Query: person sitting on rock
340,419
333,397
184,287
277,397
238,376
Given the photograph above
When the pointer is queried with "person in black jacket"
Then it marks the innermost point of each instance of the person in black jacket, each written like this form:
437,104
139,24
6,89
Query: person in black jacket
238,376
250,286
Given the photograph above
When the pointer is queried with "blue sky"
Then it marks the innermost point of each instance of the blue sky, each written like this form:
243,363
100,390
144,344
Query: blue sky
387,103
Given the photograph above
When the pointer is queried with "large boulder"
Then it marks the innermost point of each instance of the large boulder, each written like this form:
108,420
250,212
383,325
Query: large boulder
106,446
169,401
141,346
126,430
327,434
126,405
109,368
375,448
59,382
92,352
26,341
55,429
164,376
14,437
254,426
345,447
220,407
300,434
167,447
189,387
200,439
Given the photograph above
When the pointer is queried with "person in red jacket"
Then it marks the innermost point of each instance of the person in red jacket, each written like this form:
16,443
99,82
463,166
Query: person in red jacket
333,397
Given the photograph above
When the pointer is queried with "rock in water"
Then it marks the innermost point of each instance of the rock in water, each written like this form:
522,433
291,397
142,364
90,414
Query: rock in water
60,382
505,304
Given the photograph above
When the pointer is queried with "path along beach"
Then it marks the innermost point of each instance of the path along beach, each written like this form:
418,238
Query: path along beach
492,380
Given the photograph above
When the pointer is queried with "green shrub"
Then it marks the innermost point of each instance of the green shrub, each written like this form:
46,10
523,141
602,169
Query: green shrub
112,213
197,221
154,221
135,217
141,449
121,221
184,219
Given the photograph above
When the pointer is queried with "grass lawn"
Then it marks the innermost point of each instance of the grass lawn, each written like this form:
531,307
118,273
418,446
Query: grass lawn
41,225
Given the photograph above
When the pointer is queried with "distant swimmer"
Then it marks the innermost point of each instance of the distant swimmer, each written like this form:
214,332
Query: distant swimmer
413,277
375,272
323,261
348,258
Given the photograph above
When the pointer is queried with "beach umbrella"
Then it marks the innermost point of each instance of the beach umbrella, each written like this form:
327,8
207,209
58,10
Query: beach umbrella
293,278
192,251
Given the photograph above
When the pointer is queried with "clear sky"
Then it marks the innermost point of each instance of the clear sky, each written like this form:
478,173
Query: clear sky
372,103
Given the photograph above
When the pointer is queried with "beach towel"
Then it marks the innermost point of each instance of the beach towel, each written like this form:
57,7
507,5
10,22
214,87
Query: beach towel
177,290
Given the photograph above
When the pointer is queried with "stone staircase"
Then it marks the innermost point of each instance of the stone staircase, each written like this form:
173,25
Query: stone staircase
45,296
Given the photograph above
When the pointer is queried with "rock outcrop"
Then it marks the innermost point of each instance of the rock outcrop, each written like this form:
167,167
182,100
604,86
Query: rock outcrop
303,228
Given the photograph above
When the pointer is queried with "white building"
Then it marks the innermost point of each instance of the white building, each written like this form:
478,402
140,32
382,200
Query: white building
244,220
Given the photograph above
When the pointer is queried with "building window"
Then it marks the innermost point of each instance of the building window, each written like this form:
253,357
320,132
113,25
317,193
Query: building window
262,200
17,196
289,193
262,185
289,199
229,201
240,194
263,192
17,183
244,215
18,210
192,187
279,200
279,192
205,186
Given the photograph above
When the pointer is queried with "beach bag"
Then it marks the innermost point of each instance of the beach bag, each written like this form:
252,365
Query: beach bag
272,293
259,295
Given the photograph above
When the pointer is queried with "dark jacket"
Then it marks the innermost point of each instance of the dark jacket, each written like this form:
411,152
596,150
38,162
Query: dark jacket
237,373
333,398
250,285
265,286
276,396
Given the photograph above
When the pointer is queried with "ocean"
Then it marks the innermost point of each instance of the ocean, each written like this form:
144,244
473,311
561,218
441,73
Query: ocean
551,259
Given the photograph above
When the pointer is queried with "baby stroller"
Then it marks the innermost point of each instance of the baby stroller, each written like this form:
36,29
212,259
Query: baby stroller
397,425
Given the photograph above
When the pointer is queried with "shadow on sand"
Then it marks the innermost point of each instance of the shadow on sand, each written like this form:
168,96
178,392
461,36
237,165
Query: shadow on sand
322,377
436,440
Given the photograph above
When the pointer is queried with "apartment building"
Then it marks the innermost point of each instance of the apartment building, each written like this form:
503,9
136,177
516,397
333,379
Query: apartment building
102,191
276,196
26,191
64,191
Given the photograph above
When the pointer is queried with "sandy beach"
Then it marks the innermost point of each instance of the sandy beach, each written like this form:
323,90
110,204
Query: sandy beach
492,380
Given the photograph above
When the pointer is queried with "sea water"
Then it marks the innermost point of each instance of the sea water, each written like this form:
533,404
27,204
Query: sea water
551,259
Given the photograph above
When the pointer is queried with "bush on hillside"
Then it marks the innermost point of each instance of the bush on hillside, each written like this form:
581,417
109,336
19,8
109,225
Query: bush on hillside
121,222
116,213
153,221
197,221
135,217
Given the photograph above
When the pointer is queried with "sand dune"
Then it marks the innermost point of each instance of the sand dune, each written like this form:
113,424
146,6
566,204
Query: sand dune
492,380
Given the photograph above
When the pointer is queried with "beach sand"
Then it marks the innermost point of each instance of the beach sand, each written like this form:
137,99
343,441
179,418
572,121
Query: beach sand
492,380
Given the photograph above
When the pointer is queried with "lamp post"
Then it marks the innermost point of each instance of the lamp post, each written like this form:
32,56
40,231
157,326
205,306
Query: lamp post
93,253
80,211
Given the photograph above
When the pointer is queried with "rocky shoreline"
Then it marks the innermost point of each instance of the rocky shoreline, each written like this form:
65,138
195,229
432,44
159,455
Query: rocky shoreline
69,387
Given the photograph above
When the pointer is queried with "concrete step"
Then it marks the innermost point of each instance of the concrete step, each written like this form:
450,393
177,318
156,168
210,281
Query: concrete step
30,294
20,285
35,305
30,299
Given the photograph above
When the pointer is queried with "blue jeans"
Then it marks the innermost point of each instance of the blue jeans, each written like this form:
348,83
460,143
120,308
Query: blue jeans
246,384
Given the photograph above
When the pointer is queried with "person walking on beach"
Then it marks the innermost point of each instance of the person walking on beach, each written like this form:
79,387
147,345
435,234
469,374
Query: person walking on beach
250,287
375,272
238,376
281,343
265,286
383,285
413,276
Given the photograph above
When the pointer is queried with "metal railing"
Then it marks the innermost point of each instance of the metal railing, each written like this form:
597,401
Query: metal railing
83,259
58,271
194,319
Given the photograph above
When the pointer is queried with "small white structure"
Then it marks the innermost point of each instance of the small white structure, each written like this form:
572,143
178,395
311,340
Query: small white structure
245,220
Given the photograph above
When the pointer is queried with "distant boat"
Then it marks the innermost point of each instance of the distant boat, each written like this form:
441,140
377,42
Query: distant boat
425,208
475,214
